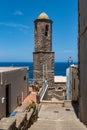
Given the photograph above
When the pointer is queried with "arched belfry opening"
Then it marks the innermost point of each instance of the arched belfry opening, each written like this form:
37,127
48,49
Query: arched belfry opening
43,56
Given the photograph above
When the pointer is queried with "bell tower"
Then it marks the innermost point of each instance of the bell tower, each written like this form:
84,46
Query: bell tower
43,56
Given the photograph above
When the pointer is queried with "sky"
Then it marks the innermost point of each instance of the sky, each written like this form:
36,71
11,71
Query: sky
17,28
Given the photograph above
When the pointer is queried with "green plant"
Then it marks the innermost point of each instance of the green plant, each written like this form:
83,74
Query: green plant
32,105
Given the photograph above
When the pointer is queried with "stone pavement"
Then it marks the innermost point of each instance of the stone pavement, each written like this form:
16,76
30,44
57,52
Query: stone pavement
56,117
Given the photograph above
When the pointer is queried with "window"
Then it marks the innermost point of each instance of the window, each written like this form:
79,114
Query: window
46,30
24,78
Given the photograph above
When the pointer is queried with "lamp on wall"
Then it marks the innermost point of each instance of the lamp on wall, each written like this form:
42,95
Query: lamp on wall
3,99
70,61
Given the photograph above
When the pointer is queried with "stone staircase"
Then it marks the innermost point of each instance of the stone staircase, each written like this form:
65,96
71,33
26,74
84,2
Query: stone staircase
56,117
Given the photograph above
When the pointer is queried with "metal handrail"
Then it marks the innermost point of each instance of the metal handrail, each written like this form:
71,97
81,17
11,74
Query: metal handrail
43,90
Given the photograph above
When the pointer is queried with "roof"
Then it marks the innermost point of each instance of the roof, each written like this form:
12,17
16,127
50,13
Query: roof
43,15
74,66
60,79
6,69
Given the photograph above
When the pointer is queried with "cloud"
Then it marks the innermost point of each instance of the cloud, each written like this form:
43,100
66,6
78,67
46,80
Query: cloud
18,12
14,25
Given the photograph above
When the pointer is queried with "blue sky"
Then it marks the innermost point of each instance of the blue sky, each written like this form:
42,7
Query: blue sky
17,28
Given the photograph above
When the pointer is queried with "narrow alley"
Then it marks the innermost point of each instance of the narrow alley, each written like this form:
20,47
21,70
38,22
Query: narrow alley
54,116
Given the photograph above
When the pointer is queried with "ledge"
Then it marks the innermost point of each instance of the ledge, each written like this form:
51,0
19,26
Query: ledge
7,123
20,121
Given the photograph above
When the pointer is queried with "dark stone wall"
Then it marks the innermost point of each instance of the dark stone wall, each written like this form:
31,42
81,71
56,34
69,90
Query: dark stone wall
43,36
44,66
82,56
43,56
75,83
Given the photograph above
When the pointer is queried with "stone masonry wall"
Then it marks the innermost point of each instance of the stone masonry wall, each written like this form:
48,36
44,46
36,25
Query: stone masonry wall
74,83
43,37
82,50
43,56
44,66
21,121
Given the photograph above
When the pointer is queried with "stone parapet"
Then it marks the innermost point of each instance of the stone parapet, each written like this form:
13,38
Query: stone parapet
68,103
60,85
21,121
8,124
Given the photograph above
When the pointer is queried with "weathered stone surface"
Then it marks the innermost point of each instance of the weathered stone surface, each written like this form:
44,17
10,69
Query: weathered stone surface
29,114
43,35
44,66
60,86
82,56
22,108
8,124
54,117
43,56
75,83
22,120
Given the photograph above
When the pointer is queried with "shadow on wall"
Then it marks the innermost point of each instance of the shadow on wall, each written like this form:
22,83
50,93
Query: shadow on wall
76,107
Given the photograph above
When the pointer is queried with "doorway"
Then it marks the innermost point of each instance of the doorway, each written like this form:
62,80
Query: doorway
8,99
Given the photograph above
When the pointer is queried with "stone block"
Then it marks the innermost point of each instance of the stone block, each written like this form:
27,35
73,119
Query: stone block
67,103
21,119
8,124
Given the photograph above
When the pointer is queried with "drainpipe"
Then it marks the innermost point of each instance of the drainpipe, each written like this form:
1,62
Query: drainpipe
43,72
46,71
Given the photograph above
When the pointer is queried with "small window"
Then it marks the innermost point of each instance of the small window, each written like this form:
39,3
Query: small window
47,27
46,30
24,78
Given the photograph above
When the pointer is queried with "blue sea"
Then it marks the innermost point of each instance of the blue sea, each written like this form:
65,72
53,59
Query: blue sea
60,67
